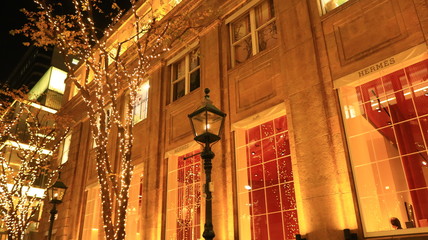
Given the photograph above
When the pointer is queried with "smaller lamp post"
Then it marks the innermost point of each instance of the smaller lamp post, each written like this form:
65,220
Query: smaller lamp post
207,123
55,193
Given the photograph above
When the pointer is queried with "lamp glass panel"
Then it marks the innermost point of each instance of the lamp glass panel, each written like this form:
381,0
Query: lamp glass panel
199,122
57,193
214,123
207,122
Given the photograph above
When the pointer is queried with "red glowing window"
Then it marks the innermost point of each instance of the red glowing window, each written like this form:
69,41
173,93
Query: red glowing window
266,197
387,130
184,197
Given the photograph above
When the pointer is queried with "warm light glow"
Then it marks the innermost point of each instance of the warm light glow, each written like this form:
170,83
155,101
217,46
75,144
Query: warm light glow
31,192
44,136
56,81
146,86
38,106
26,147
248,187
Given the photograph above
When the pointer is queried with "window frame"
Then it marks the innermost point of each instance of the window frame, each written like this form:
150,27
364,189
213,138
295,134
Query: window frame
184,55
65,149
142,104
250,10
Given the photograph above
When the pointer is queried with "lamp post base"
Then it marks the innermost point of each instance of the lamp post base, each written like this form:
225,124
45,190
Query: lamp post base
208,231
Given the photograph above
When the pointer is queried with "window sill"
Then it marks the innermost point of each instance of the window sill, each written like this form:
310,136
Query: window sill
255,58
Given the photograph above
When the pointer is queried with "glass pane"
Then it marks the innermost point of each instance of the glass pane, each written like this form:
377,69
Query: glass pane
178,90
264,12
401,106
194,59
395,81
241,28
417,73
195,79
329,5
275,226
243,50
409,137
267,129
260,227
420,97
178,69
269,152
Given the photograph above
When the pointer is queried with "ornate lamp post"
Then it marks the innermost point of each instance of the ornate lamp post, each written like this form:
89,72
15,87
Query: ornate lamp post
55,193
207,123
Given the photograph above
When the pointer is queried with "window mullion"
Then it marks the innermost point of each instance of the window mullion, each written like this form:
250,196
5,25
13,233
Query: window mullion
231,44
187,75
254,40
172,83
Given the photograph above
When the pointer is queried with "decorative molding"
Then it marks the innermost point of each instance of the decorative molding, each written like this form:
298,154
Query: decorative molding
382,23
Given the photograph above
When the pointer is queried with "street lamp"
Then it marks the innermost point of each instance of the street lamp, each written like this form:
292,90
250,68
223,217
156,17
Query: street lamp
207,123
55,193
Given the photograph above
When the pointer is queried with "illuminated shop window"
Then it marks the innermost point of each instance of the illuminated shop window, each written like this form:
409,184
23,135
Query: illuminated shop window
266,197
134,218
92,219
328,5
387,134
141,103
185,75
253,32
184,197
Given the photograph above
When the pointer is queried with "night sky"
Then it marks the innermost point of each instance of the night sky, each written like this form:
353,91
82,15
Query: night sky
11,46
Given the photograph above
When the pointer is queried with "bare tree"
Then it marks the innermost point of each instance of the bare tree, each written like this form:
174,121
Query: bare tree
29,136
112,68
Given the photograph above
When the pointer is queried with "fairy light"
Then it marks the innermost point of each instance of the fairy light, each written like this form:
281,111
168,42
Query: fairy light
19,199
104,77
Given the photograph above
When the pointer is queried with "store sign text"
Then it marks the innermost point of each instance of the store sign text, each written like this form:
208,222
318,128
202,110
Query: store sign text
376,67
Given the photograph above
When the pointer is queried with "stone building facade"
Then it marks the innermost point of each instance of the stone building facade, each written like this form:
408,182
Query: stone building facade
327,128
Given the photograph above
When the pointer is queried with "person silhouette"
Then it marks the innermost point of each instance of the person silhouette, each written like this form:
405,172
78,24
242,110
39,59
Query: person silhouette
395,222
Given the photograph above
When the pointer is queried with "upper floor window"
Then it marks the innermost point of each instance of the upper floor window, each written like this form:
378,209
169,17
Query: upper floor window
328,5
185,75
65,148
253,32
141,103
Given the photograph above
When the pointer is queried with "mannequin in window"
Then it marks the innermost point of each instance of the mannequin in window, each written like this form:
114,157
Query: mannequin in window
395,222
330,5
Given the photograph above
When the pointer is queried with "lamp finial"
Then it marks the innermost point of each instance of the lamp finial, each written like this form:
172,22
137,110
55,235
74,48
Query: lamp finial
207,91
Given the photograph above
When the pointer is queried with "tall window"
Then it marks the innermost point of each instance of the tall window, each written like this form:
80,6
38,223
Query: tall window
253,32
65,148
92,218
185,75
184,197
141,103
134,218
386,120
266,198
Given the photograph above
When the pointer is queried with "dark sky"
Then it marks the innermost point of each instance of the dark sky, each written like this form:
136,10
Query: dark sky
11,46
